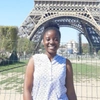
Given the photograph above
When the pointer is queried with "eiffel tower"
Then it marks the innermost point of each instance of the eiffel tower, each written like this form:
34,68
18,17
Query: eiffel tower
82,15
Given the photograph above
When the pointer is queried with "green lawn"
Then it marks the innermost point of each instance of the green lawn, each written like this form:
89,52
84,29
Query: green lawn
13,79
12,76
11,66
86,71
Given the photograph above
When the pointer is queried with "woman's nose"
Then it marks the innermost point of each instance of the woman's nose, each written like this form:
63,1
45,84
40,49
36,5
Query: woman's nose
51,41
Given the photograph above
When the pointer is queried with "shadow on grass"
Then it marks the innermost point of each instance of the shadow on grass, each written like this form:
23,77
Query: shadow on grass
13,65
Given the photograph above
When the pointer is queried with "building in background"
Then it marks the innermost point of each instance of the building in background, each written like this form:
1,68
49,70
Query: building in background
72,47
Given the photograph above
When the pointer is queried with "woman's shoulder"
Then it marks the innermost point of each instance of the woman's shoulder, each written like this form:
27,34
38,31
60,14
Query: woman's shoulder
38,56
61,57
64,58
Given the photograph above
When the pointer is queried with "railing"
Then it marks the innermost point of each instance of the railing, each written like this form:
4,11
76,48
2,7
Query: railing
86,71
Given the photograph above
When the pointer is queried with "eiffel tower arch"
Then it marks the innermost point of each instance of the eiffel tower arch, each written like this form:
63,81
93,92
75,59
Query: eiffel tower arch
82,15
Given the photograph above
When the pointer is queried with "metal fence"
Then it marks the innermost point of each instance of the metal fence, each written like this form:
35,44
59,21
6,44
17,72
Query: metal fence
86,69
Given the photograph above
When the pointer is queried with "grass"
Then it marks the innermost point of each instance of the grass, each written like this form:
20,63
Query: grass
20,70
86,71
18,64
13,79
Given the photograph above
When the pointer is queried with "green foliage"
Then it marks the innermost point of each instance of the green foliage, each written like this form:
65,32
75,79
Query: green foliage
24,45
13,35
99,52
8,38
8,42
41,48
12,44
85,48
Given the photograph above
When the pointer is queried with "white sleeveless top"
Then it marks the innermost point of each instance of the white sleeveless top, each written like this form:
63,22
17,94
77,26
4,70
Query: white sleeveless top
49,78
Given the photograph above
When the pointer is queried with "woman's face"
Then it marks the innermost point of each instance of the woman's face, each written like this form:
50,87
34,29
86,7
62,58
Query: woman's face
51,41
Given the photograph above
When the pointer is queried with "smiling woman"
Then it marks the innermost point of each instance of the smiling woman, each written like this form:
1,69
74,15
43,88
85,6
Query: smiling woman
49,76
51,38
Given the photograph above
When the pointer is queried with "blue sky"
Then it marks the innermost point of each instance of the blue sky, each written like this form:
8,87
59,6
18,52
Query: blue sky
14,12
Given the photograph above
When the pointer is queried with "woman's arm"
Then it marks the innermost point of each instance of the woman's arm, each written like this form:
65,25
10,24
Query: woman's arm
69,82
28,80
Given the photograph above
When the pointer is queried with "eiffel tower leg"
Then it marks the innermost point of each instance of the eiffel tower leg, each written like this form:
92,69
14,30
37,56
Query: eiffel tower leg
80,44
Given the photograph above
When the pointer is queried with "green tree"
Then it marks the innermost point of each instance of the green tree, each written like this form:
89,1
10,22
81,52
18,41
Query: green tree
13,36
85,48
99,52
2,37
25,45
41,48
8,37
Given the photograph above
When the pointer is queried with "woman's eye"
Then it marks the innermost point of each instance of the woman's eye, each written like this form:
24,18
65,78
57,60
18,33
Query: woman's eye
56,39
47,39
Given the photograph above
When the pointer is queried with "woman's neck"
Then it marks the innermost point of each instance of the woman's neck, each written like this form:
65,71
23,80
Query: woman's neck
50,56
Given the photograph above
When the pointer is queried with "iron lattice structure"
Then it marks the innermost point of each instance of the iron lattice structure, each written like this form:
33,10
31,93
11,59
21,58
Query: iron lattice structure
83,15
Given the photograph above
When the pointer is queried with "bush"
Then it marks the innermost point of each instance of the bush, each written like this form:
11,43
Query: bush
12,59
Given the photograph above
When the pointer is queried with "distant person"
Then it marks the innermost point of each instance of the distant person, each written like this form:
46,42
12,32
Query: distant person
49,76
78,58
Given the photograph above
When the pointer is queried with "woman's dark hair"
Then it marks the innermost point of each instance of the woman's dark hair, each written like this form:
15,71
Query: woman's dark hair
51,25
